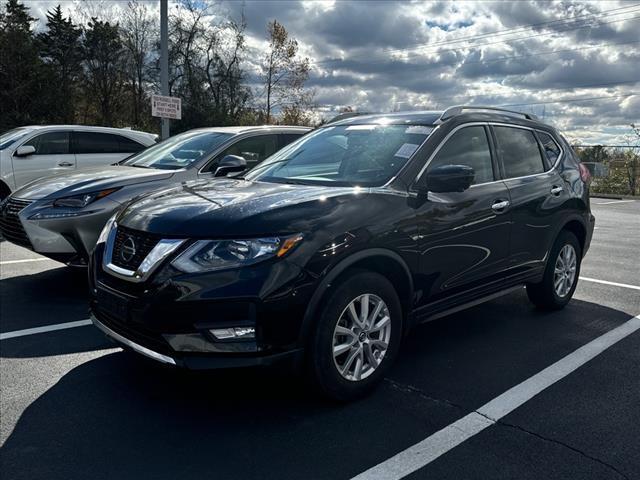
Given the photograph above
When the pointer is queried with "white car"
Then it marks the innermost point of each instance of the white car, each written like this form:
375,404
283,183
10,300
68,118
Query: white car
29,153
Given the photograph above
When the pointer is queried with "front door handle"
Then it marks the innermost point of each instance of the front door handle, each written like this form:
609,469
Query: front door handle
65,164
500,206
555,190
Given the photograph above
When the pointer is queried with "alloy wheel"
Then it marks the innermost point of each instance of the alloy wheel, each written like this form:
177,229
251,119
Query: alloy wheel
361,337
565,270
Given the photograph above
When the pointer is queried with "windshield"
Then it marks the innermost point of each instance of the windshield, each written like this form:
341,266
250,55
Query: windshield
350,155
179,151
12,136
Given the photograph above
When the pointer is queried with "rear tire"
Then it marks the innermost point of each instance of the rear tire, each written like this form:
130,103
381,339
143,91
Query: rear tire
357,336
560,275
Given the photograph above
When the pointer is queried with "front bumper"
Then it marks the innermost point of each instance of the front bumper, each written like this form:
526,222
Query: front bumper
173,319
199,362
65,238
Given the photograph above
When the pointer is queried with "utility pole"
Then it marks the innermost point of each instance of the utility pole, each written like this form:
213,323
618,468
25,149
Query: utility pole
164,60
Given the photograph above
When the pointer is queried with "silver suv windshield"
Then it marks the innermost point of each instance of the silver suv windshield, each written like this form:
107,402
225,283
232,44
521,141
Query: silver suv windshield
180,151
349,155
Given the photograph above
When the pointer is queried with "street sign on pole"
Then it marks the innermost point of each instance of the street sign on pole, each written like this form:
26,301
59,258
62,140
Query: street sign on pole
166,107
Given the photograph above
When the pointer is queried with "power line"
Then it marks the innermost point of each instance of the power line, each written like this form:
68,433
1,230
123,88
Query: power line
509,31
488,35
571,100
519,39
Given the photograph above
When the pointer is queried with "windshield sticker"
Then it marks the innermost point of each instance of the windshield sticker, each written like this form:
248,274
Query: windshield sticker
419,129
406,150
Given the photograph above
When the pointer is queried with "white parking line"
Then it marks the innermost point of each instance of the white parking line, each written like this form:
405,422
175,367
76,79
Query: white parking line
613,202
429,449
46,328
614,284
26,260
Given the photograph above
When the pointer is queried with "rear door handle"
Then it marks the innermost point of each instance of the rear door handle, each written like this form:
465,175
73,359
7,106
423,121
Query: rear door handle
499,206
555,190
65,164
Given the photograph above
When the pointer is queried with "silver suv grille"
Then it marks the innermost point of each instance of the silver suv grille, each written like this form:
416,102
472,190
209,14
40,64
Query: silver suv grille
10,224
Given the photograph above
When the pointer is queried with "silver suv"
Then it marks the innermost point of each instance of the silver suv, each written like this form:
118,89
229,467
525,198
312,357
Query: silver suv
29,153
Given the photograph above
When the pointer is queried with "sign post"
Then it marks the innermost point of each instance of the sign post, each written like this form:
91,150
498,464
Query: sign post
164,61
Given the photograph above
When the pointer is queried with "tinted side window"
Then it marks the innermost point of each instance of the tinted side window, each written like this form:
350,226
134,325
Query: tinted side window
551,148
94,142
519,152
253,149
468,146
53,143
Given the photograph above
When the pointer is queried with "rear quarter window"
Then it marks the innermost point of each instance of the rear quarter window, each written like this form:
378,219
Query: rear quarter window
550,147
97,142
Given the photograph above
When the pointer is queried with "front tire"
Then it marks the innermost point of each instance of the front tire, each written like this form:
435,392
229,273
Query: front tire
560,276
357,336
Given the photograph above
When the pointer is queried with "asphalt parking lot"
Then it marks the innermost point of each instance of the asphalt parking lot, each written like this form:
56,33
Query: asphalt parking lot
72,406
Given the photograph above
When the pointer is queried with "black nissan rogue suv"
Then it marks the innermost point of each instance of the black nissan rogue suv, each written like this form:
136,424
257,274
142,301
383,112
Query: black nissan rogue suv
329,251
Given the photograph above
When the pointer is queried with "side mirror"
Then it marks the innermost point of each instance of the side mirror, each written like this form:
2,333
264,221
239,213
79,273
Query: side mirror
450,178
25,151
230,164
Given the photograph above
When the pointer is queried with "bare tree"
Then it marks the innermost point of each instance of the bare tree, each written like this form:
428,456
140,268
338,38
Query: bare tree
138,35
224,54
284,73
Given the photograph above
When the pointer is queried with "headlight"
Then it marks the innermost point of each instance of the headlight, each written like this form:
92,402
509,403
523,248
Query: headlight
81,201
104,234
205,255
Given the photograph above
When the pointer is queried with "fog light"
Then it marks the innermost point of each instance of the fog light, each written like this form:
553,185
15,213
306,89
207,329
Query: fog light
239,333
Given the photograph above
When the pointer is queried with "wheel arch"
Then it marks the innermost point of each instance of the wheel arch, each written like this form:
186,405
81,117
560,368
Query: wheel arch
578,228
385,262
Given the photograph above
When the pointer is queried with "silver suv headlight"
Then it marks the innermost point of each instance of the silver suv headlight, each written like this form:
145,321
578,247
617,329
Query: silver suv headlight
207,255
72,206
81,201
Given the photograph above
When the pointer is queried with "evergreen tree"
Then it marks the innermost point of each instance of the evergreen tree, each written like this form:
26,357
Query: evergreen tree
104,66
61,53
21,77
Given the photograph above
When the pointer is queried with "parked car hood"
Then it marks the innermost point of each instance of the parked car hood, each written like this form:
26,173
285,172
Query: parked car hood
227,207
89,180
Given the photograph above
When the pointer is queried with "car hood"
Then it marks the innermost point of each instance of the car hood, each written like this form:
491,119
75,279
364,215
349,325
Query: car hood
89,180
226,207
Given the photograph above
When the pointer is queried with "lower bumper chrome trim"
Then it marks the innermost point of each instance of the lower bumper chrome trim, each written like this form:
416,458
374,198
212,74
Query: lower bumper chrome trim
138,348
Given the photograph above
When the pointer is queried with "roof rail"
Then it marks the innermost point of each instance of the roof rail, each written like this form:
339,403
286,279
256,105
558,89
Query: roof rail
458,109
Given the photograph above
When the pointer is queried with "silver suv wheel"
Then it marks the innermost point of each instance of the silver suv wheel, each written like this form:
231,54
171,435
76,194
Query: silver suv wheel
361,337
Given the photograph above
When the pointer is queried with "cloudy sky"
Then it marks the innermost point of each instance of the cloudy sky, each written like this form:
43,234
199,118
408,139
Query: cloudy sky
575,63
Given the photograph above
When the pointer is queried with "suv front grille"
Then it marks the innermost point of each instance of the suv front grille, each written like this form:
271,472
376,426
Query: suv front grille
131,247
135,333
10,224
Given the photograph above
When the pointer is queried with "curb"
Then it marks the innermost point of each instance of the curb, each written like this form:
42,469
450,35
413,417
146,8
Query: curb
614,197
